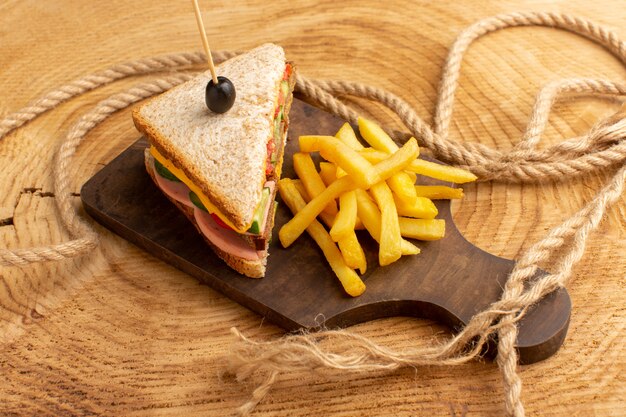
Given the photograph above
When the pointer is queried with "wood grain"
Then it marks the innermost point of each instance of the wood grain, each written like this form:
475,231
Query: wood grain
120,333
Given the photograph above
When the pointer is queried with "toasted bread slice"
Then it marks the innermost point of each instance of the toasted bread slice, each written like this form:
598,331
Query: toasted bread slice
223,154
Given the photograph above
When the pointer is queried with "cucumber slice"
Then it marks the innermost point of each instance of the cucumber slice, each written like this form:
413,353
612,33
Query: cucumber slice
196,201
164,172
257,219
277,130
255,228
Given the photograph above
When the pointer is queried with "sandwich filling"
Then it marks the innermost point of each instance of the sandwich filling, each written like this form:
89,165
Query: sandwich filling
212,223
280,125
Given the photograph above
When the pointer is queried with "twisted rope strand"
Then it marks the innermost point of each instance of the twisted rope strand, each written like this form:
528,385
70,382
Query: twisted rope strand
85,84
485,162
602,148
86,238
452,68
91,82
582,223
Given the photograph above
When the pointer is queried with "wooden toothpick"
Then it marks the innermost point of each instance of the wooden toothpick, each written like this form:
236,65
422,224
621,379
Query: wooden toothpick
205,42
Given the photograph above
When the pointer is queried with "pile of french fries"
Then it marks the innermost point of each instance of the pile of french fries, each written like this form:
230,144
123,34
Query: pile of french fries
376,191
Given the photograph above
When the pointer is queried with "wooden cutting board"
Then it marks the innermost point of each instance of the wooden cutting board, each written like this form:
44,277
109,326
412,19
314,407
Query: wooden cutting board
450,281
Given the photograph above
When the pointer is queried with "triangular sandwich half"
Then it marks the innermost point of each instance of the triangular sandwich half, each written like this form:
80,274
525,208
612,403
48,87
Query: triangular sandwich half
221,169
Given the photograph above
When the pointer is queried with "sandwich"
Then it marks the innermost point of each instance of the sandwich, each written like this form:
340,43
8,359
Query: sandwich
221,170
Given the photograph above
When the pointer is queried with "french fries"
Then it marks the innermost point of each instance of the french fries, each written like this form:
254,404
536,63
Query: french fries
438,192
328,172
326,218
403,187
347,136
352,252
346,219
376,191
426,168
390,250
350,281
441,172
370,215
401,182
423,208
422,229
411,175
381,171
397,161
305,169
300,187
346,158
300,221
376,136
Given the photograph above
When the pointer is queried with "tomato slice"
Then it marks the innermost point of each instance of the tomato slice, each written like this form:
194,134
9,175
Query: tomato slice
287,73
220,222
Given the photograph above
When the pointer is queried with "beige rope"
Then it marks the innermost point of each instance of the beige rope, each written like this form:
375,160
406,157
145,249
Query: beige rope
93,81
601,149
86,237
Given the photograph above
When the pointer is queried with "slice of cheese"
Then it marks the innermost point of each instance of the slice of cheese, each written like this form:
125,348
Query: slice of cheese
181,176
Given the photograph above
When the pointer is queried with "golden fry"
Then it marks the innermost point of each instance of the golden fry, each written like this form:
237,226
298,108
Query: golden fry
426,168
328,172
438,192
422,209
408,248
370,215
346,135
346,219
305,169
376,136
298,224
300,187
341,172
328,219
402,186
333,150
353,252
390,249
411,175
373,155
422,229
441,172
350,281
397,161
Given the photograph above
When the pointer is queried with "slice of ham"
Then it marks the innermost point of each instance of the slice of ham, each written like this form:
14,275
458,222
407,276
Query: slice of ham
176,190
227,240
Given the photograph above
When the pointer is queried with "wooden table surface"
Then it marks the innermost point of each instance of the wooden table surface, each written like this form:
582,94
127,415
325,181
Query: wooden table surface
119,332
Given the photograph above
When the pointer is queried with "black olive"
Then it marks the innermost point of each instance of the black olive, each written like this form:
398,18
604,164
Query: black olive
220,97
